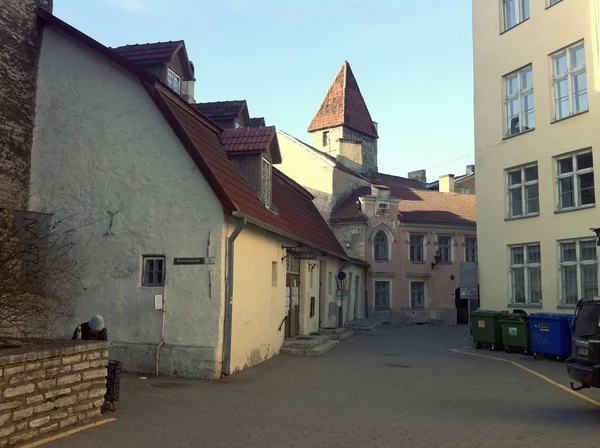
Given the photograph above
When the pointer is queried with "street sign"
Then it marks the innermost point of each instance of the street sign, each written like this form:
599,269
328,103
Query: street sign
468,280
194,260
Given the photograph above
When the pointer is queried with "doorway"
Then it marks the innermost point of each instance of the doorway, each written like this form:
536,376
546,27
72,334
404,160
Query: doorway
292,296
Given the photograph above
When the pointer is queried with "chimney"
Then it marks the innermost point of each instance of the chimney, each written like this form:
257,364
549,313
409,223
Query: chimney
447,183
470,169
419,175
20,48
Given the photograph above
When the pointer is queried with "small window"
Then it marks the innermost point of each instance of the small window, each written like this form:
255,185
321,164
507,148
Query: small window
523,192
380,246
174,81
445,248
417,294
274,267
382,295
417,248
518,101
292,264
569,82
578,270
514,12
325,138
471,250
464,191
526,274
154,271
575,180
266,183
313,302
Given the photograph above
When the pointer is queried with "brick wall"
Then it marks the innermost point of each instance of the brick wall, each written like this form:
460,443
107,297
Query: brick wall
51,387
20,43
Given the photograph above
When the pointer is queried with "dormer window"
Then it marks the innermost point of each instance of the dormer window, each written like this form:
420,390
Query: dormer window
174,81
265,191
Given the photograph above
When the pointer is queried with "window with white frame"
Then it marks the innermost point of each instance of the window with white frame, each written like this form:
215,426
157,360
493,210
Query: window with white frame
575,180
578,270
523,192
380,246
526,274
174,81
518,101
266,183
382,294
153,270
417,247
514,12
471,250
569,81
445,248
417,294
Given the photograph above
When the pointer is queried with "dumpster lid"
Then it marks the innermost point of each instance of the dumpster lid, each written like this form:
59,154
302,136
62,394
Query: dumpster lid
489,312
514,317
551,316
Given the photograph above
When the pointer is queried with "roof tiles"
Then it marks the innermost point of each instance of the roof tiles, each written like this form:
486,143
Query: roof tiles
248,139
149,54
221,110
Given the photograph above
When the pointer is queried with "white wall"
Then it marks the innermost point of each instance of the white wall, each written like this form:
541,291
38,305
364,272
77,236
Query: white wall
100,145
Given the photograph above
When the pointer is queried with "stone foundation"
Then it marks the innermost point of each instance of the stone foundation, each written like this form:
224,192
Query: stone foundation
46,388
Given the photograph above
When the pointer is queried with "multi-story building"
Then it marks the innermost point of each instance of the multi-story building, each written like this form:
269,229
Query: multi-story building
536,142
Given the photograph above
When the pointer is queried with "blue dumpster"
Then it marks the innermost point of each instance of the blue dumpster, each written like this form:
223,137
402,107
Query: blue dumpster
550,334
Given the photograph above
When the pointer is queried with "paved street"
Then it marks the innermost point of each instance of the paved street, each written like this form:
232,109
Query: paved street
397,387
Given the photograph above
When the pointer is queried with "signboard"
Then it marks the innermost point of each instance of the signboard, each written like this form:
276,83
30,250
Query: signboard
468,280
194,260
158,302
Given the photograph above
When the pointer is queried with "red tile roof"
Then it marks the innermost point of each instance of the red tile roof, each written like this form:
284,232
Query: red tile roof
252,139
344,105
149,54
221,110
256,122
395,183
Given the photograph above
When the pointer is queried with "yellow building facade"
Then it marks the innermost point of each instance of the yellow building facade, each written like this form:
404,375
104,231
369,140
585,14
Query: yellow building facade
537,141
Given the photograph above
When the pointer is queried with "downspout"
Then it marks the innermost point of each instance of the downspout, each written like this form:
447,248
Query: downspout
162,336
227,324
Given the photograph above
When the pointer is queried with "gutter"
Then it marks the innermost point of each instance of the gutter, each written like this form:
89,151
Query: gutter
227,323
285,234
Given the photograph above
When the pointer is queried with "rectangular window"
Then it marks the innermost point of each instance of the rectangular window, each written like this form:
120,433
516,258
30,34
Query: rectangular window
382,295
266,183
578,270
526,274
313,302
417,294
174,81
154,271
569,81
518,101
575,180
464,191
292,264
325,138
523,192
445,248
417,248
274,273
514,12
471,250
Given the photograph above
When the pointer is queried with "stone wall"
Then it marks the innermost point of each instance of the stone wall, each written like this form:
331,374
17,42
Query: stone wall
369,149
50,387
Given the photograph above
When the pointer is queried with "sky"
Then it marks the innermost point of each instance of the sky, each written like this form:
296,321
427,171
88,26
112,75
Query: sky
412,60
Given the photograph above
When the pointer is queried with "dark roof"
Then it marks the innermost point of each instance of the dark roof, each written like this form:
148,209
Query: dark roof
149,54
252,140
297,219
221,110
344,105
395,183
256,122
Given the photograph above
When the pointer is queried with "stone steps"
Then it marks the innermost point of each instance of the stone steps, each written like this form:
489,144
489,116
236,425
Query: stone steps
305,342
317,350
340,334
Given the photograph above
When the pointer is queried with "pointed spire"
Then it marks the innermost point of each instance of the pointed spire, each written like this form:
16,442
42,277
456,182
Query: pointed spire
344,105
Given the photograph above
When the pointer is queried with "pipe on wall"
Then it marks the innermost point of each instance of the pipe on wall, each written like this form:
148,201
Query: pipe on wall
227,324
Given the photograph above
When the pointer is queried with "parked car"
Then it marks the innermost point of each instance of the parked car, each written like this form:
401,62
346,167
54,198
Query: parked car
584,364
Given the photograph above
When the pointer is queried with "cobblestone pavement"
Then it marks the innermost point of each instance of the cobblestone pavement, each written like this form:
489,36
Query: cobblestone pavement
397,387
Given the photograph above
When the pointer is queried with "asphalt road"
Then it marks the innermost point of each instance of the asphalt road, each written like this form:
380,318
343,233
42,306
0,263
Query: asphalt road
397,387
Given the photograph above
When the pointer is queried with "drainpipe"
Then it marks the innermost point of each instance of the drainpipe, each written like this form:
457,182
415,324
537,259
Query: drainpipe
162,337
227,324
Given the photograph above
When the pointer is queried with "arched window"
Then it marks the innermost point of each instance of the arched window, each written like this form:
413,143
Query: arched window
380,245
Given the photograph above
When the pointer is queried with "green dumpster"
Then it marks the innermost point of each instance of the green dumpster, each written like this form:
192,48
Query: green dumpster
486,329
515,332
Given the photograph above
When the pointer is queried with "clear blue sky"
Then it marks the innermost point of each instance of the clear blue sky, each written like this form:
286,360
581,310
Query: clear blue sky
412,61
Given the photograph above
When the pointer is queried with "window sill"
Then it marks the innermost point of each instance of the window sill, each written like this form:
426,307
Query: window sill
508,137
524,305
417,261
515,218
381,261
574,209
513,27
566,307
570,116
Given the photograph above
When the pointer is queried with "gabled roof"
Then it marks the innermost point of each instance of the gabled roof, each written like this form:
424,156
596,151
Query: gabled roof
395,183
222,110
344,105
256,122
151,53
252,140
298,218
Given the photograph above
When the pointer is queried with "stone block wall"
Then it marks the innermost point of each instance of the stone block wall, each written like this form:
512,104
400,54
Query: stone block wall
50,387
